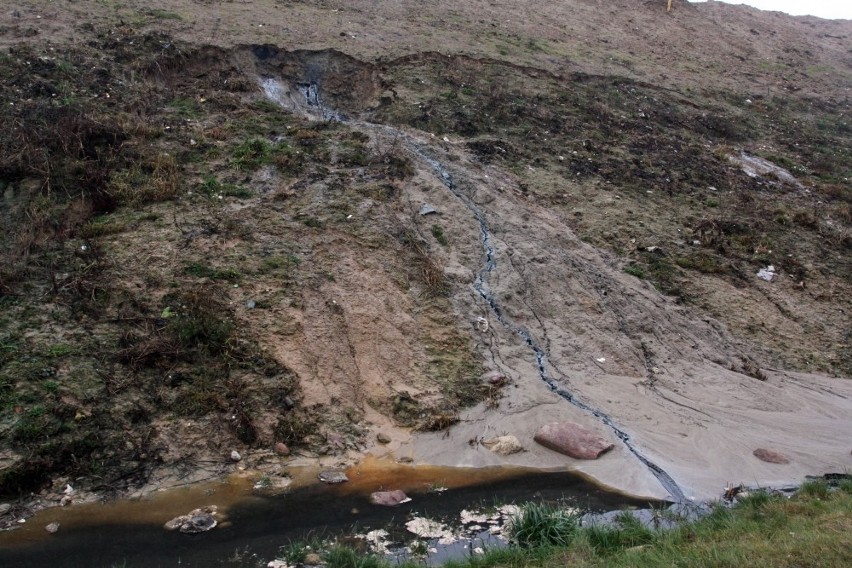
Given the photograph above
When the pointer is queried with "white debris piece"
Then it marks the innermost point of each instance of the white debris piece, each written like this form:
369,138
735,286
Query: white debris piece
427,528
767,273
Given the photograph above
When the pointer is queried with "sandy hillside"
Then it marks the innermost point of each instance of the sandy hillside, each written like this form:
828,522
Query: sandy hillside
330,226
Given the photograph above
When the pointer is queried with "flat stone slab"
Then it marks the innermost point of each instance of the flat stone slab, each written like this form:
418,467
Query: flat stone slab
573,440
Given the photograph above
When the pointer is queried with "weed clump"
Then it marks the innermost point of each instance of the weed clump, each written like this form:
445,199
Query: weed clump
541,525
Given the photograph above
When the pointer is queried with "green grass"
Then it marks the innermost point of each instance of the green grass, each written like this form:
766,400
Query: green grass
544,525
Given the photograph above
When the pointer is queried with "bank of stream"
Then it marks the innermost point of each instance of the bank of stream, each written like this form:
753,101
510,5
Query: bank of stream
254,527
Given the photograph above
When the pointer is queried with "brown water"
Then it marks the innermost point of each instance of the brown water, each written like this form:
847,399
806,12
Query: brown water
130,533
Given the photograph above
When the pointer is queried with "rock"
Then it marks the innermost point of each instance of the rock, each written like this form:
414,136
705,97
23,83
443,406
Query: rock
333,477
573,440
427,209
770,456
196,521
389,498
52,528
235,456
383,438
495,378
277,564
312,559
5,508
503,445
198,524
281,449
251,304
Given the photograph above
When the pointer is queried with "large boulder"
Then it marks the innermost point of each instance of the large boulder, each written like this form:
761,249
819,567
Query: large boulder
389,498
573,440
770,456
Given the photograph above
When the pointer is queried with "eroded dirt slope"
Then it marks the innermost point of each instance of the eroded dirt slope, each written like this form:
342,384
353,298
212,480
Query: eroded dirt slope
216,242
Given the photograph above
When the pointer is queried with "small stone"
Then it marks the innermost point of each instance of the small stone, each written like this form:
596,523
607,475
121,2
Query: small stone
277,564
5,508
312,559
389,498
333,477
250,304
235,456
770,456
52,528
383,438
281,449
495,378
427,209
503,445
196,521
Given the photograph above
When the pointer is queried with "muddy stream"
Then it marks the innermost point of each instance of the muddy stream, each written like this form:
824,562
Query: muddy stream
253,527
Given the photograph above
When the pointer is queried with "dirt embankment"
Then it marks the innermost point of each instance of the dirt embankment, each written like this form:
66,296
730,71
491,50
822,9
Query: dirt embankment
199,262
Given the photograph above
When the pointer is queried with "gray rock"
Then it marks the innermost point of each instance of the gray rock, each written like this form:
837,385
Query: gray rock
333,477
427,209
196,521
383,438
198,524
389,498
5,508
52,528
573,440
235,456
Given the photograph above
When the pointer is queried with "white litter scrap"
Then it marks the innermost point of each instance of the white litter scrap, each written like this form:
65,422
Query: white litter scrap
467,517
767,273
377,540
427,528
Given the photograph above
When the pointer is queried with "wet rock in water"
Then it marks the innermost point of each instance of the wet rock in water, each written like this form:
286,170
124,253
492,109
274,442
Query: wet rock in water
281,449
503,445
389,498
235,456
333,477
312,559
52,528
383,438
573,440
196,521
770,456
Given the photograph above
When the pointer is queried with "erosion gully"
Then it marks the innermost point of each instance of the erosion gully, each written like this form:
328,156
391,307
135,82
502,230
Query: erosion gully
131,534
311,92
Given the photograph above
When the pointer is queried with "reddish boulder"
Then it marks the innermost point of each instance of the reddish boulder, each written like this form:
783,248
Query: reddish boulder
770,456
389,498
572,440
281,449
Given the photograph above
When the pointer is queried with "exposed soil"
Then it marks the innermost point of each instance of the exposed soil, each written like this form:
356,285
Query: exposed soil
214,239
